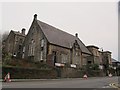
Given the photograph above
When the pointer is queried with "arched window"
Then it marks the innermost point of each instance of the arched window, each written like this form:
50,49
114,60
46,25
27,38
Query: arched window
42,42
31,48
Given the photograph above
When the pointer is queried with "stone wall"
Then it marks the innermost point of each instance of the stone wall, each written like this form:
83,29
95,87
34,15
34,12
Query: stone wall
71,73
29,73
77,73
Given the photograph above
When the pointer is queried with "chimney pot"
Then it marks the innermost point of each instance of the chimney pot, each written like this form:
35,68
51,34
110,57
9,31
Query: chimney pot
76,35
23,31
35,16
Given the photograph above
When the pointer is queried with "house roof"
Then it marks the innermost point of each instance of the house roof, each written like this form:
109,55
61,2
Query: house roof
17,33
93,46
61,38
107,52
113,60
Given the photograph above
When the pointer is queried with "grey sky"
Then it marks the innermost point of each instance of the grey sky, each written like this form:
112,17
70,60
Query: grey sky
95,22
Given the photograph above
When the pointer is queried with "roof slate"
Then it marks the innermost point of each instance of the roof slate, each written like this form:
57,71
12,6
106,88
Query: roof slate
17,33
113,60
61,38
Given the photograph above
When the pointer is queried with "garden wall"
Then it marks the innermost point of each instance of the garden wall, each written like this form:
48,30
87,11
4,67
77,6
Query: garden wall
29,73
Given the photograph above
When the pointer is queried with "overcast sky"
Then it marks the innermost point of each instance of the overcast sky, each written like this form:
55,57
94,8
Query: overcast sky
95,22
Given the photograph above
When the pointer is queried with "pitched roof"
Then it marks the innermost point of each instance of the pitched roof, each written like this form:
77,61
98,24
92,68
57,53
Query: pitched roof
17,33
59,37
113,60
93,46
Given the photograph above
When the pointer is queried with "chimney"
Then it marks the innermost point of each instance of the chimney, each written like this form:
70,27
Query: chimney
23,31
76,35
35,16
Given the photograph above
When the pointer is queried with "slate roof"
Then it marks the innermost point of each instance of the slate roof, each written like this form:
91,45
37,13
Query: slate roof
17,33
113,60
61,38
93,46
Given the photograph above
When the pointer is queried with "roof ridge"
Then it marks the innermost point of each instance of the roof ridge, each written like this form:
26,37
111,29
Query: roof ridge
56,28
17,32
60,37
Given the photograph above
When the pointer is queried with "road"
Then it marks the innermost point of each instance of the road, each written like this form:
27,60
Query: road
102,82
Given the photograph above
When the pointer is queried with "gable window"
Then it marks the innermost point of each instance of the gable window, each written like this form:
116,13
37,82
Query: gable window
20,47
54,57
21,40
41,55
64,58
24,49
77,53
31,48
16,39
23,55
42,43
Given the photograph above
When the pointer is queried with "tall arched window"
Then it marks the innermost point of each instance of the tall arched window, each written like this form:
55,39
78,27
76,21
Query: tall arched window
33,47
42,42
42,48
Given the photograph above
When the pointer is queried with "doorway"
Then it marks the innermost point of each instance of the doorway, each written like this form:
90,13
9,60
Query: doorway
54,57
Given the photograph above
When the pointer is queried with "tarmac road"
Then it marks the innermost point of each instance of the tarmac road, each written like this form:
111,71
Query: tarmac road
99,82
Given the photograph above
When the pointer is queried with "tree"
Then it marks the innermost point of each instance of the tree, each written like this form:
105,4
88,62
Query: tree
0,47
4,35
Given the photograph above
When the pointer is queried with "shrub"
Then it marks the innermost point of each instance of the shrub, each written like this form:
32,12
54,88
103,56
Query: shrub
6,59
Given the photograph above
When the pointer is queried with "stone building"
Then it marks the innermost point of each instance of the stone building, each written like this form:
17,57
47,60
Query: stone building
106,59
101,58
115,63
95,57
14,43
46,43
116,67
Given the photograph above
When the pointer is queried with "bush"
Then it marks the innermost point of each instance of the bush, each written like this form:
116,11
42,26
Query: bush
6,59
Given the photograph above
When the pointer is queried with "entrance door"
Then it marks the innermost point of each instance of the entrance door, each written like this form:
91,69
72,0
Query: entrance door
54,57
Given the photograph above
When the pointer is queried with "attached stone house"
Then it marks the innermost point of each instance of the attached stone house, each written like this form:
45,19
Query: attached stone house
95,57
102,58
46,43
115,63
106,59
116,66
14,43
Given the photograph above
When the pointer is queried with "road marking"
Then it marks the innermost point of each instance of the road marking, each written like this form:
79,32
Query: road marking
113,85
106,87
